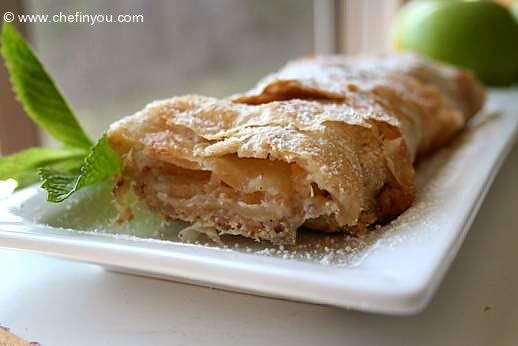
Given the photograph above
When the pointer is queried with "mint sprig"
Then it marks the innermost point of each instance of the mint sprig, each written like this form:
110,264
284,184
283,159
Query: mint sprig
22,166
63,170
37,92
100,164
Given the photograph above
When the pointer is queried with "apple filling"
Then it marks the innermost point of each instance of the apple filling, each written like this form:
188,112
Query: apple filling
267,199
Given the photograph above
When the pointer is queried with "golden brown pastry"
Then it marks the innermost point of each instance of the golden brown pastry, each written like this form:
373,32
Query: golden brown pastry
434,100
9,339
326,143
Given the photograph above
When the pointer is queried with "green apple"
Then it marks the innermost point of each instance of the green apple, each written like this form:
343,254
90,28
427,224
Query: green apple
478,35
514,9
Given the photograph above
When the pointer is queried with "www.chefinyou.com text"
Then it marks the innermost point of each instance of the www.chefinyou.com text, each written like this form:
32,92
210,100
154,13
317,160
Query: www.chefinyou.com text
77,17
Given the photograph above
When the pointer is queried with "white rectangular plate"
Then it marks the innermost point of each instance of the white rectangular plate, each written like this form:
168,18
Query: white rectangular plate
394,269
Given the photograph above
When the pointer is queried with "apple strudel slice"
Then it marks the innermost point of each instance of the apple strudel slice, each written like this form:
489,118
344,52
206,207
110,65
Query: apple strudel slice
329,146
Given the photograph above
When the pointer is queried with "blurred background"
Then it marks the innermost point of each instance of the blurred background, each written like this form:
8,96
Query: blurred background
216,47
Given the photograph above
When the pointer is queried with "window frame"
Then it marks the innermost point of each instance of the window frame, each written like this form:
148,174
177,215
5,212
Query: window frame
17,131
346,26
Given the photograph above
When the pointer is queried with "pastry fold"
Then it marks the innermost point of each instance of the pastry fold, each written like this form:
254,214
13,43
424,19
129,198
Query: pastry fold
432,101
326,143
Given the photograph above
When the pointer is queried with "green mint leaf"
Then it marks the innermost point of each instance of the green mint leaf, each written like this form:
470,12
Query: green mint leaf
100,164
37,92
59,186
22,166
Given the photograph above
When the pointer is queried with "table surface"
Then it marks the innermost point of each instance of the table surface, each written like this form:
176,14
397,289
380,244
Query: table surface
57,302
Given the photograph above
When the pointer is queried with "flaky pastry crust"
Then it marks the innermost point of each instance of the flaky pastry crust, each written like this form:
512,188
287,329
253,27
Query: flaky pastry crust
326,143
